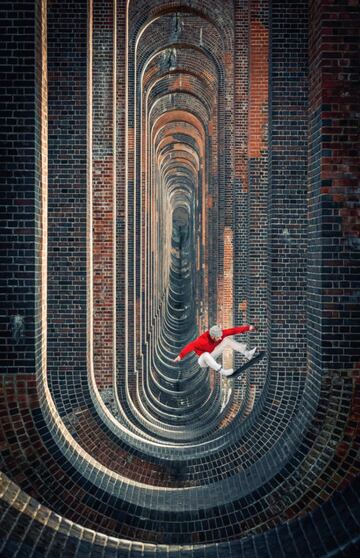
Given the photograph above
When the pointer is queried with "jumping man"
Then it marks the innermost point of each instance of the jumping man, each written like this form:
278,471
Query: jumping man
212,343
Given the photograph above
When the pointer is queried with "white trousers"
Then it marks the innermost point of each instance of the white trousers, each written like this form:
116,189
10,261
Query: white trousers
208,359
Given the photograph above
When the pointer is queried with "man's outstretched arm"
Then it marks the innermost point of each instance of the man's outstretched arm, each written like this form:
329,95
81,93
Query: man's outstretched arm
237,330
187,349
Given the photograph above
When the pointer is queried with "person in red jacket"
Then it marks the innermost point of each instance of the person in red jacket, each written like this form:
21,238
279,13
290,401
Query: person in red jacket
211,345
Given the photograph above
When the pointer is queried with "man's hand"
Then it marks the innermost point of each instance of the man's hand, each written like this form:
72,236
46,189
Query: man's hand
177,359
252,328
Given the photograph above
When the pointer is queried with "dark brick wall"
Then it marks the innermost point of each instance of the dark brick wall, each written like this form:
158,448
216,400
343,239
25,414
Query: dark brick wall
67,197
241,104
287,200
19,187
309,535
334,335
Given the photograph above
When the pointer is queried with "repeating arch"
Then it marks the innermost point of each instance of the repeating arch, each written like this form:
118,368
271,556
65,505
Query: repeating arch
178,177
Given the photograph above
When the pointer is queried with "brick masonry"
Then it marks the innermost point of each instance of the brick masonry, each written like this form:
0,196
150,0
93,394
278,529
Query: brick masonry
67,199
20,188
103,175
220,148
256,237
287,198
333,182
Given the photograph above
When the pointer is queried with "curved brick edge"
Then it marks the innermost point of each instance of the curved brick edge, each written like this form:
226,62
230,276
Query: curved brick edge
331,530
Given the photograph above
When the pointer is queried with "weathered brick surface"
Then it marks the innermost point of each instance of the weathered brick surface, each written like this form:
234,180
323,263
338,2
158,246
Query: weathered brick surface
288,227
121,154
217,140
67,197
103,191
241,119
333,189
19,187
256,238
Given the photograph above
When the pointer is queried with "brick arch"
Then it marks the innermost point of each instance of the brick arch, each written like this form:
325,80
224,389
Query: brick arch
142,31
272,467
206,10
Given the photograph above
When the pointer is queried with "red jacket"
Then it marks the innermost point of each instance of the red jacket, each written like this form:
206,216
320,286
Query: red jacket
205,344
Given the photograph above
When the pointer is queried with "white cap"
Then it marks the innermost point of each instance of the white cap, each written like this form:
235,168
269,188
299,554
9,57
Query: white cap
216,331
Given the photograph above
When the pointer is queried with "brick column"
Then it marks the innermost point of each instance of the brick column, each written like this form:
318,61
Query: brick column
67,218
287,196
241,100
257,231
227,319
334,209
120,144
103,190
20,204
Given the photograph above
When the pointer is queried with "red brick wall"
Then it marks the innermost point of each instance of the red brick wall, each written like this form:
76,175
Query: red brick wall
256,237
103,191
333,181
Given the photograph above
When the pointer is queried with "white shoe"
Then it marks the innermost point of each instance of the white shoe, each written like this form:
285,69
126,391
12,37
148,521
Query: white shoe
226,371
250,354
